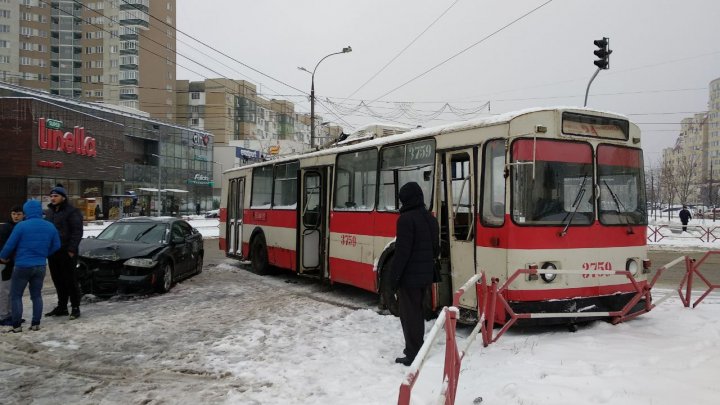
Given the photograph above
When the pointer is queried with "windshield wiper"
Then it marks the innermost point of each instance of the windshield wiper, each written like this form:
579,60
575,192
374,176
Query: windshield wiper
575,204
618,206
143,233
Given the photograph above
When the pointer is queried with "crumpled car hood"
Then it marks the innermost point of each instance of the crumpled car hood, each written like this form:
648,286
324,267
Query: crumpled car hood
115,250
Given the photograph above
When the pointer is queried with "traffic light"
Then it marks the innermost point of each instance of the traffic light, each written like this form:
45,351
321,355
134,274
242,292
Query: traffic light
603,52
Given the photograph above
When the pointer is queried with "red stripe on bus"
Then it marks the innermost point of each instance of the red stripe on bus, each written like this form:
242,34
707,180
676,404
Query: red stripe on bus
222,244
352,273
280,257
614,156
512,236
223,215
364,223
568,293
269,217
552,151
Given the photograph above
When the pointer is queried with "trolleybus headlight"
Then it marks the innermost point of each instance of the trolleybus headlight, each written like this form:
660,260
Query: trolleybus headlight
632,266
548,277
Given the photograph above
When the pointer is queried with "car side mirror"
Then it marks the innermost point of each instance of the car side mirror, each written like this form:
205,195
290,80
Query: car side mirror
176,240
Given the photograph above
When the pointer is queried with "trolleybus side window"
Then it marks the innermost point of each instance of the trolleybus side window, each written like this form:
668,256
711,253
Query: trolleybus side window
355,181
493,208
552,182
286,185
461,190
262,179
620,179
402,164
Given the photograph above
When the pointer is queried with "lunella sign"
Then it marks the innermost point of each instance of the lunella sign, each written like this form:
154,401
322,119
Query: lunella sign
50,137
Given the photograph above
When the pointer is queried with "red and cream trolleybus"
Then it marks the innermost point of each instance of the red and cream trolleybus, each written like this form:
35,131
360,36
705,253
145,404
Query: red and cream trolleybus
546,188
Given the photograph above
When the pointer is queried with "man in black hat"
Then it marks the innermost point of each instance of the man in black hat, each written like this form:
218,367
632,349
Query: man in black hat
69,222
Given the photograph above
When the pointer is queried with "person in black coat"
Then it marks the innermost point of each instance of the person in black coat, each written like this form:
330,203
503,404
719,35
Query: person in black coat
16,215
69,222
416,247
685,217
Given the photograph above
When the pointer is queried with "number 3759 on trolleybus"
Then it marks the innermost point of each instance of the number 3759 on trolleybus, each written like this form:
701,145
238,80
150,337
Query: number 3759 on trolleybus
546,188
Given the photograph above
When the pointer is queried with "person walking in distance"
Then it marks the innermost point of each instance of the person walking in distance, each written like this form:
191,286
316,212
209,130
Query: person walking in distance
685,217
69,223
16,215
413,265
31,241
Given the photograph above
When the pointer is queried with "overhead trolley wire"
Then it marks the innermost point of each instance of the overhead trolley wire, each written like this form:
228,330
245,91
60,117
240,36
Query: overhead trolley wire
464,50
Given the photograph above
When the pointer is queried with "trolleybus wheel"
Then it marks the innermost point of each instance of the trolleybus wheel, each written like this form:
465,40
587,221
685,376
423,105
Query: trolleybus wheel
388,300
259,262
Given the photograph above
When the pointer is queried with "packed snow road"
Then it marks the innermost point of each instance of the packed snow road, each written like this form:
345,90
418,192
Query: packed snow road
224,335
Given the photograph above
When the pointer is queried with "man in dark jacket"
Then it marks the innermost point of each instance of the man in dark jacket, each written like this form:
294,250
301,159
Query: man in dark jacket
69,223
31,242
685,217
16,215
416,245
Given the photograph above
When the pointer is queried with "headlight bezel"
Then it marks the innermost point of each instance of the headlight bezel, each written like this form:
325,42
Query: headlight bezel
548,277
143,262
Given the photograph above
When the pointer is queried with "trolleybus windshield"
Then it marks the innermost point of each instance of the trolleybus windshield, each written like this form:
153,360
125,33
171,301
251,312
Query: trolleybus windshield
621,183
552,182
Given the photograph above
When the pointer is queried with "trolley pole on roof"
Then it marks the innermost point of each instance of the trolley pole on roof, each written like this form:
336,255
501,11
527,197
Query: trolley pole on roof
347,49
603,63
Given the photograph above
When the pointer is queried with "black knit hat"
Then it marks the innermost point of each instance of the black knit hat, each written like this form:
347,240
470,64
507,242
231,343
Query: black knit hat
59,189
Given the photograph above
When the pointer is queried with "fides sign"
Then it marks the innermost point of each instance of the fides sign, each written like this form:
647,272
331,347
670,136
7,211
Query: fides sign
51,137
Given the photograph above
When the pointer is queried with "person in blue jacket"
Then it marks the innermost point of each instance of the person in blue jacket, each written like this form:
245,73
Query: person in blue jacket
32,241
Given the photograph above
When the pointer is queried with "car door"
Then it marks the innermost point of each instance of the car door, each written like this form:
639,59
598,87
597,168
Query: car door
181,247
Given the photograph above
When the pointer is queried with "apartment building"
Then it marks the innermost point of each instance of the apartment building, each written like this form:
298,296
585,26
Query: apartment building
245,126
119,52
696,153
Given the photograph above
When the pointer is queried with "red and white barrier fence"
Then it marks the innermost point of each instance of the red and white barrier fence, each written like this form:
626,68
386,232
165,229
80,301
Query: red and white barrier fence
488,296
657,233
453,358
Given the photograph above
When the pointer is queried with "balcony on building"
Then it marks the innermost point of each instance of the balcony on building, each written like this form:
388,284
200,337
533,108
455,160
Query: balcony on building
142,5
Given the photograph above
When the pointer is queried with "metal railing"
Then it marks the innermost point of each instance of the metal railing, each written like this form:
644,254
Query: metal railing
447,319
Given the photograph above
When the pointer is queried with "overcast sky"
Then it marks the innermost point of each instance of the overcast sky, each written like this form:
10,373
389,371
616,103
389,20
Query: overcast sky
518,54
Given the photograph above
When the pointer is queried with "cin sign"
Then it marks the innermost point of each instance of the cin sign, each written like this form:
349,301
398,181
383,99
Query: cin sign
50,138
200,140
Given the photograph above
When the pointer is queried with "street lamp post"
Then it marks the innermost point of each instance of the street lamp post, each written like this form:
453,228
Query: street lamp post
159,171
312,93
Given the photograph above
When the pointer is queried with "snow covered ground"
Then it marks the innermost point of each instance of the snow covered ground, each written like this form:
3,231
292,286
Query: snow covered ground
228,336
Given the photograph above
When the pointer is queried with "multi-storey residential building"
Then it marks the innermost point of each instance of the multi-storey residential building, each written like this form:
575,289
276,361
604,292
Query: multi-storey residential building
245,126
695,158
114,51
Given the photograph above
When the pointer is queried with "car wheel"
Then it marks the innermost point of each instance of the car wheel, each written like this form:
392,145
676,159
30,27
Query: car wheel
198,264
388,300
166,278
259,262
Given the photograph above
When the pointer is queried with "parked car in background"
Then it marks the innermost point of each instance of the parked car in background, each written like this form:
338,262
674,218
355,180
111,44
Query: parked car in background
141,254
212,214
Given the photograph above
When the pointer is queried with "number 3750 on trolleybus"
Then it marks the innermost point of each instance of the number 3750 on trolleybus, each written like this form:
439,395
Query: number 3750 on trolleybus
546,188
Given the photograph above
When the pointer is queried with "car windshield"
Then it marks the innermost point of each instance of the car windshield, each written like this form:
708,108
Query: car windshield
146,232
622,191
552,183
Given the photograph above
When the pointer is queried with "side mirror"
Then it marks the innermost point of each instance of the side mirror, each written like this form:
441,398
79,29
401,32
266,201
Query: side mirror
177,240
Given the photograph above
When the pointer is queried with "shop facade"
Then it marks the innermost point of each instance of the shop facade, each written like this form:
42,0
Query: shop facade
111,163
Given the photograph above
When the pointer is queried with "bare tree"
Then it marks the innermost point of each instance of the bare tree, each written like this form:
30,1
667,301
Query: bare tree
684,176
668,184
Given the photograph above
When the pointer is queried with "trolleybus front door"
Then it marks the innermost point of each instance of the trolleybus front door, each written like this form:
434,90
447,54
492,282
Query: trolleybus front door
460,187
313,222
236,198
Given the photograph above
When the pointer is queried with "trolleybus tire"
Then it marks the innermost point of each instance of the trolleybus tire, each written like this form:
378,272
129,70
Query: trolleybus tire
388,299
259,263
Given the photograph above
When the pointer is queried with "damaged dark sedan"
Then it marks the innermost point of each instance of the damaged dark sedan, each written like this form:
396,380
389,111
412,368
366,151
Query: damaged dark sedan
139,255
